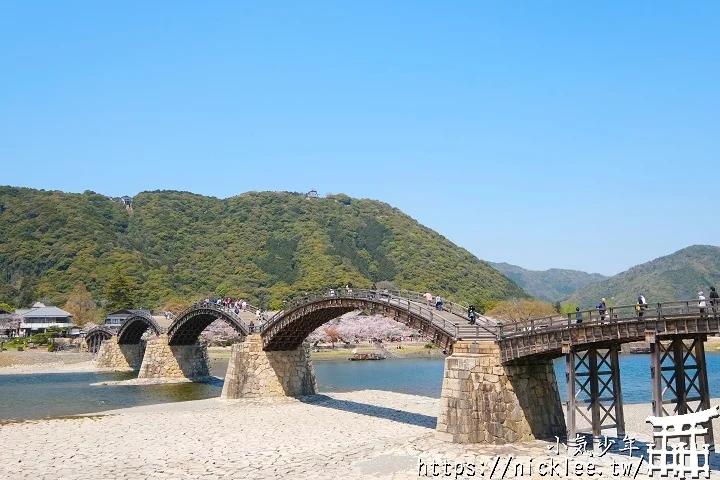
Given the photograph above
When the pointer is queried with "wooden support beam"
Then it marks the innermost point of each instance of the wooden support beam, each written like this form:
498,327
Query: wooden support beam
617,390
570,394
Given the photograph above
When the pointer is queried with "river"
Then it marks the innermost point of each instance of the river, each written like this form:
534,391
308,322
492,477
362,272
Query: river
62,394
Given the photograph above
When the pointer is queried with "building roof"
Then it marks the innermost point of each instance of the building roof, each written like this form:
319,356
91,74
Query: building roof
43,312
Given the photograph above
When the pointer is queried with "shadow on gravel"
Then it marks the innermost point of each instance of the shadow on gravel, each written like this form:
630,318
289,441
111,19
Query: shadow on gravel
417,419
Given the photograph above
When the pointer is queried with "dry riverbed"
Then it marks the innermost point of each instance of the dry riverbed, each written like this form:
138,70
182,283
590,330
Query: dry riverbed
356,435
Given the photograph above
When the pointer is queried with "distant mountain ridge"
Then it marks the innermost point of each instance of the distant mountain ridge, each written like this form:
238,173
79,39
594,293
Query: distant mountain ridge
553,285
678,276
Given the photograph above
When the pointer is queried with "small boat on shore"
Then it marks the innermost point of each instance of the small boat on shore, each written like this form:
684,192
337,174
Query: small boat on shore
366,356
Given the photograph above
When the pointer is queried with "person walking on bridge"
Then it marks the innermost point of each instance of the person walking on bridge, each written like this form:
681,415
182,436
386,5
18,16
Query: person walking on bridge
714,299
641,305
428,299
701,304
438,303
602,308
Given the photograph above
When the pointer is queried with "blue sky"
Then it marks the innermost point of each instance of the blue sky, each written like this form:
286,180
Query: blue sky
545,134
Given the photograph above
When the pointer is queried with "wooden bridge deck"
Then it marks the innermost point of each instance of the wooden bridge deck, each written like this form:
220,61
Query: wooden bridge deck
547,337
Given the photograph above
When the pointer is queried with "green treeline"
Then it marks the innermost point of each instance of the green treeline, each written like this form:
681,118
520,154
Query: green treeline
262,246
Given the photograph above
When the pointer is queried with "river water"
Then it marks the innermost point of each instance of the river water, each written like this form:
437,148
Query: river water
61,394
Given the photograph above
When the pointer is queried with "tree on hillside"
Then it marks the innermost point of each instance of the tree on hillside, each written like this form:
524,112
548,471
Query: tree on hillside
82,306
176,305
523,309
28,292
118,292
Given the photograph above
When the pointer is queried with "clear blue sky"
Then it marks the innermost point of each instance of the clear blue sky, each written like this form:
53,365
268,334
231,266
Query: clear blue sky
546,134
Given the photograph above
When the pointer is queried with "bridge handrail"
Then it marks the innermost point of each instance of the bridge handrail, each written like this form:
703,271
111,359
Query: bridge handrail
218,308
455,308
214,306
413,302
101,328
615,314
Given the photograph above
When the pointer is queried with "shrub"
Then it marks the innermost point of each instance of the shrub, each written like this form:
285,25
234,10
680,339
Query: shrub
40,338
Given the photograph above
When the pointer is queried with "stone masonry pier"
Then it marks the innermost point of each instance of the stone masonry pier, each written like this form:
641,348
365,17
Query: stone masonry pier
484,401
254,373
120,356
163,361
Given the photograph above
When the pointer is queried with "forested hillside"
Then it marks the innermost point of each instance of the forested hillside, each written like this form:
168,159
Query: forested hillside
260,246
553,285
678,276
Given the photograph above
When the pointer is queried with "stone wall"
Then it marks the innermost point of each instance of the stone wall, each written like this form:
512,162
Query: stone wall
163,361
254,373
483,401
120,357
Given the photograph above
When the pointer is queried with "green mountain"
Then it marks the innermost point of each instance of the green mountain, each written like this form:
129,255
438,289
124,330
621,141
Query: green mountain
552,285
262,246
678,276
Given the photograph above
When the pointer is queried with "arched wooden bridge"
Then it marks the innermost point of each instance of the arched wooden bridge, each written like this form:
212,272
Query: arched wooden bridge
188,326
135,326
288,328
96,336
589,341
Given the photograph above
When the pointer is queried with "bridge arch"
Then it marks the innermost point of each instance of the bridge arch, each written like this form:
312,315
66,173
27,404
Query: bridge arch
96,336
187,327
135,327
289,328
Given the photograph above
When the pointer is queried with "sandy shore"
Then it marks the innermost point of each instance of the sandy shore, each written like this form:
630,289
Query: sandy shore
39,361
356,435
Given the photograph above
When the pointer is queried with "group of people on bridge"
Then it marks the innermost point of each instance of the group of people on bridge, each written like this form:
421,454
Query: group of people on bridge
642,305
236,305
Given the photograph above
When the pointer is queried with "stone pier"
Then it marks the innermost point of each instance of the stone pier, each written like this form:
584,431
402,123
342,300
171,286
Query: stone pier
163,361
120,356
254,373
484,401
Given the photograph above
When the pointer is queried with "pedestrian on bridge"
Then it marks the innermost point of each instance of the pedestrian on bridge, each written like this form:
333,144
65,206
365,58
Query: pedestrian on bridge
438,303
701,303
428,299
714,299
641,305
578,315
602,308
471,314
